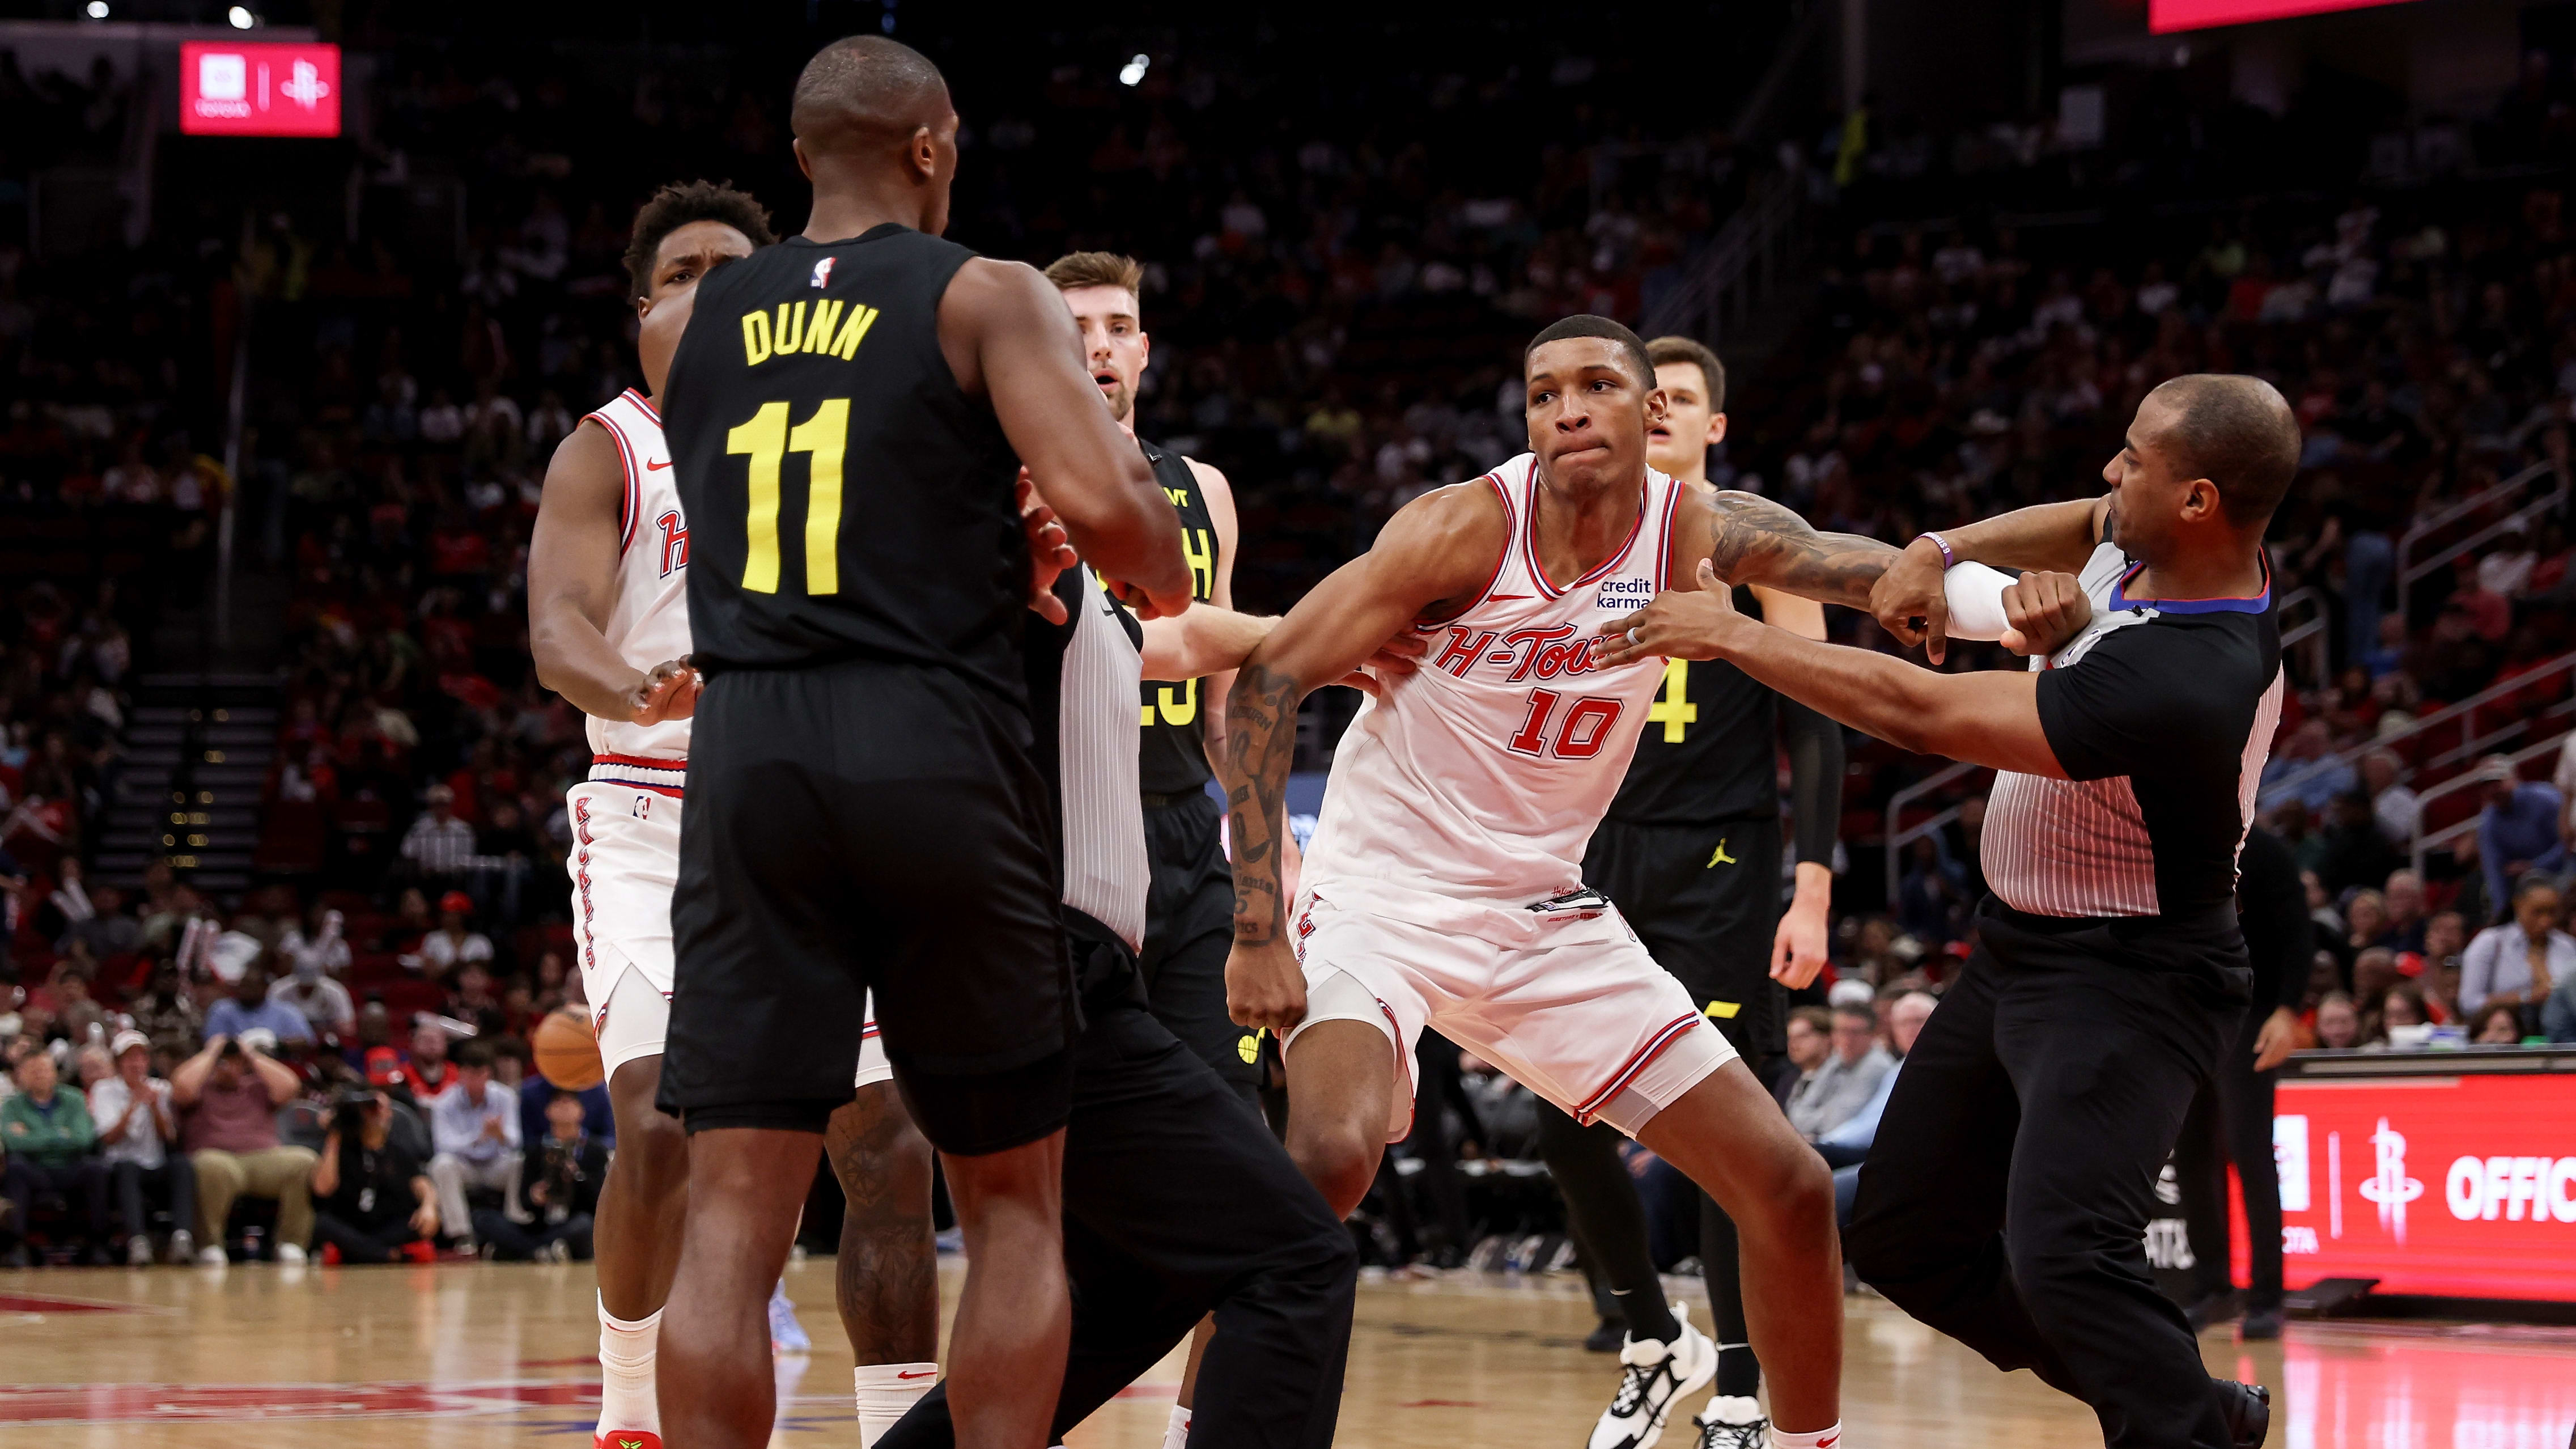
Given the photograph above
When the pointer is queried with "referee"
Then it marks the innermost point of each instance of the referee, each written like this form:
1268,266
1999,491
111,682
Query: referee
2006,1198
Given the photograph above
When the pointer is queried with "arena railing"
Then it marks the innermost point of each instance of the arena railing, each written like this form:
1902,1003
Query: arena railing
1900,835
2409,569
2310,639
2465,780
2472,741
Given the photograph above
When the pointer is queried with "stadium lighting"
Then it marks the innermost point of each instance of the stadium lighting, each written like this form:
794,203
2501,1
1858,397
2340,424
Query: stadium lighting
1133,72
241,17
95,10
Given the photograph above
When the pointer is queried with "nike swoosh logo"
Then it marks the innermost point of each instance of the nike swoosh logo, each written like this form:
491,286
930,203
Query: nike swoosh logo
934,1373
651,467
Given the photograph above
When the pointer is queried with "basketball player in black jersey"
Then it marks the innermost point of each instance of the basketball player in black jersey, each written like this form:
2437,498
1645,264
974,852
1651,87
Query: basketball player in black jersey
849,412
1690,851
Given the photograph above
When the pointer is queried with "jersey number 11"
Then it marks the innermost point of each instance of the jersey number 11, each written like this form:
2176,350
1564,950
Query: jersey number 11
768,440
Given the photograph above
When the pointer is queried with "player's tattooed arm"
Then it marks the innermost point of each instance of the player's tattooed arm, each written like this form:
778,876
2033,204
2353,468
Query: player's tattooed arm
1261,742
1432,558
1752,540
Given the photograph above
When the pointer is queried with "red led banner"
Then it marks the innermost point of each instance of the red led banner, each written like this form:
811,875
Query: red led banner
248,88
2450,1187
2164,15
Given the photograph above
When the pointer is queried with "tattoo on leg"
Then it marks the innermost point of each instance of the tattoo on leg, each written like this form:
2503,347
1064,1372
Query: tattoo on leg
1261,741
886,1280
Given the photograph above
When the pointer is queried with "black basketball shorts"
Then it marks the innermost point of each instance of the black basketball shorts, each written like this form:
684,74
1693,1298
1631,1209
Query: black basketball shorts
1706,900
861,827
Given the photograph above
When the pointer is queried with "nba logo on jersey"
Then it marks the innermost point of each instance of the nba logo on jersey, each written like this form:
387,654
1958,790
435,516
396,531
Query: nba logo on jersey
823,273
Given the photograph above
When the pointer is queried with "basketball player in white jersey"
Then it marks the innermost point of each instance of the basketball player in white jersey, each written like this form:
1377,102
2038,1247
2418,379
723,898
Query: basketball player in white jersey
1443,885
609,628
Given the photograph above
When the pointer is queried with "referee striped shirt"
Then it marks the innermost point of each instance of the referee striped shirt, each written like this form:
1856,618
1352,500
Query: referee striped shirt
2161,713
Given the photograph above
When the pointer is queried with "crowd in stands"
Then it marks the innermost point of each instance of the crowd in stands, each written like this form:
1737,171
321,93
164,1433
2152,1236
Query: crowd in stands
1342,262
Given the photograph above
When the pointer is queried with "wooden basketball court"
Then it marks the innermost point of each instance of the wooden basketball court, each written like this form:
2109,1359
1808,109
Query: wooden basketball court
500,1356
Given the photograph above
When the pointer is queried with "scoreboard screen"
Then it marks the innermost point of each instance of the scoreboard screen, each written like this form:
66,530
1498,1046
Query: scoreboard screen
257,88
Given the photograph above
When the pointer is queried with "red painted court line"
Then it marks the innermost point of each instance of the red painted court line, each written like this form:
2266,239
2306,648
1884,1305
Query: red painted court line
46,1303
114,1403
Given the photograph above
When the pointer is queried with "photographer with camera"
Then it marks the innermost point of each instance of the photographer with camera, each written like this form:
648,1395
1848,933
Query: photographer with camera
371,1197
562,1192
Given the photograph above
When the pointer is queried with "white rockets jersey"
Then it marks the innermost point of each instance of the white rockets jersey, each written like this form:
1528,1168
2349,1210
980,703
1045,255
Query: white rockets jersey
649,623
1482,776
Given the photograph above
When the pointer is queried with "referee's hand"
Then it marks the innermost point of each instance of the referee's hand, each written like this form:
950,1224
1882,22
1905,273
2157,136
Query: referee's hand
1050,551
1265,987
2042,611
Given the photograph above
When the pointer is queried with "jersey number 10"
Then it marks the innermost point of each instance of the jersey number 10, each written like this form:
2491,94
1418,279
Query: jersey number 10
768,440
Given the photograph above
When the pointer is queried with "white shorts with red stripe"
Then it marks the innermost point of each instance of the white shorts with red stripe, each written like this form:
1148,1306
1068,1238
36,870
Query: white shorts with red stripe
625,859
1574,1009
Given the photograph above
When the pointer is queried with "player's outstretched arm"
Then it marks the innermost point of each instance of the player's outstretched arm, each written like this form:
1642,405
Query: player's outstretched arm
1987,717
1908,600
1208,640
1753,540
572,584
1434,557
1008,336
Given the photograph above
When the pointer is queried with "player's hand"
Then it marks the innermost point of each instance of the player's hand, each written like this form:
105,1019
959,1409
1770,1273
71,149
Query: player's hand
1909,602
1394,659
668,691
1144,605
2042,611
1265,987
2278,1036
1799,946
1050,551
1679,624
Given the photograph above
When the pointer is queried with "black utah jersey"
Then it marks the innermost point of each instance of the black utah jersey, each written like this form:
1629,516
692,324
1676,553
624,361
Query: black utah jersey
1710,750
848,500
1173,758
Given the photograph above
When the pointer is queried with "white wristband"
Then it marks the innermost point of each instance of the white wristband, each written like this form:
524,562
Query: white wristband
1976,596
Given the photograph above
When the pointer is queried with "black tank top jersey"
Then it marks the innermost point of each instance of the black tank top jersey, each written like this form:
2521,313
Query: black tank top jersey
1711,748
849,501
1172,756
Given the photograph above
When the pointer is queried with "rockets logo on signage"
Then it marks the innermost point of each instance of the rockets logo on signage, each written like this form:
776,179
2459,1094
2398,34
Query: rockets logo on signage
241,88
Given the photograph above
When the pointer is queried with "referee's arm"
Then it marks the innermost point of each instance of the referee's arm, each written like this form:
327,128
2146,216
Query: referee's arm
1990,717
2057,537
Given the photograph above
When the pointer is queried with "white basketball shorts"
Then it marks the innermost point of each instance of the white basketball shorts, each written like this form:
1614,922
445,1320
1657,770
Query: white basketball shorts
1576,1010
625,859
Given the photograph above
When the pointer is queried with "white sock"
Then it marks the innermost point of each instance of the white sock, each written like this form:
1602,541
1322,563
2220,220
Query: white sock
1825,1438
886,1392
1733,1409
1176,1433
626,1372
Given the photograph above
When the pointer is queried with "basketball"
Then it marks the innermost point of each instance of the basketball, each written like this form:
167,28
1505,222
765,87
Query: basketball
568,1050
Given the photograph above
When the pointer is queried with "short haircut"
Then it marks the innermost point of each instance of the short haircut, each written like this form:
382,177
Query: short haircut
1586,325
2240,434
865,88
1818,1020
1664,350
677,205
2532,881
474,1053
1097,269
1860,1012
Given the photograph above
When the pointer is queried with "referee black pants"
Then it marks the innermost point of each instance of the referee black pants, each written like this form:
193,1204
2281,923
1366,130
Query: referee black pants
1176,1203
2006,1198
2231,1119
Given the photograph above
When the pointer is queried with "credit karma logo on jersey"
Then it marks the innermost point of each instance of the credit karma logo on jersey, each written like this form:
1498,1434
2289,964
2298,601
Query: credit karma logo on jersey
235,88
1625,594
1522,654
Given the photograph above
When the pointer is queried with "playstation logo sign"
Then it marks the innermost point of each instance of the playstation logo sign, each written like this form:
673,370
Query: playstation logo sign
304,85
2389,1186
259,88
